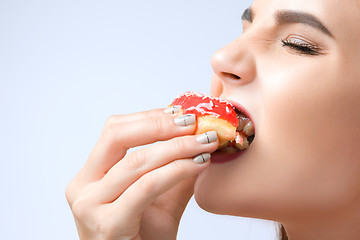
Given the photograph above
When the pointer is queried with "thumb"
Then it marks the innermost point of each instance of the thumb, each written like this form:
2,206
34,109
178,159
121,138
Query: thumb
176,199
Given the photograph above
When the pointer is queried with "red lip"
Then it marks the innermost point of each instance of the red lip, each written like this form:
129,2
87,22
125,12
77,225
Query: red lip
242,109
219,157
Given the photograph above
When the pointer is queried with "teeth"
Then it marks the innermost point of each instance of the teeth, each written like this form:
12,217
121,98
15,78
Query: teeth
249,128
241,142
242,146
243,120
244,130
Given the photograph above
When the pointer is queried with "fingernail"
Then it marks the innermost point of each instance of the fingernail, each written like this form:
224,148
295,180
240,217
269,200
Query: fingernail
172,109
185,120
202,158
207,137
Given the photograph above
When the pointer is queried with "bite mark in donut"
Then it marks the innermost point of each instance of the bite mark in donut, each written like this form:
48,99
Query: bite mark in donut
214,114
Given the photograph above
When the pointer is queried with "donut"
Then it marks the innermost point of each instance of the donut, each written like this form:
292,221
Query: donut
214,114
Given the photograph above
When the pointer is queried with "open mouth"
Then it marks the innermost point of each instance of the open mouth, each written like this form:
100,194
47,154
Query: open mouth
222,116
245,134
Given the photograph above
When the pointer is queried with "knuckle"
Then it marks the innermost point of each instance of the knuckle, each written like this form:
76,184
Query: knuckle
136,160
180,168
80,208
112,120
180,143
111,127
147,184
69,191
101,226
149,114
156,126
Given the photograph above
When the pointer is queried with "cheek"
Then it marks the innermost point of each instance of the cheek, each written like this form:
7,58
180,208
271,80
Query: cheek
306,154
312,131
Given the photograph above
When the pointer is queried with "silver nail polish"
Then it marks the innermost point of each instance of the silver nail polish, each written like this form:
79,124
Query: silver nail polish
185,120
172,109
202,158
207,137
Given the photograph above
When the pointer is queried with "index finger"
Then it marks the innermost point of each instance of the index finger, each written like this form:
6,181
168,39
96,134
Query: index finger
123,132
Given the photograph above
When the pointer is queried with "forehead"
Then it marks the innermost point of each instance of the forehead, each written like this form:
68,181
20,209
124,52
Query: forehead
341,17
332,9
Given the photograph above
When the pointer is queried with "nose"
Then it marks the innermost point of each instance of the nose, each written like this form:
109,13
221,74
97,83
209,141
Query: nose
234,62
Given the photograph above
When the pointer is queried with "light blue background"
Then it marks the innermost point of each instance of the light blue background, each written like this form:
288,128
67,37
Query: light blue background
65,66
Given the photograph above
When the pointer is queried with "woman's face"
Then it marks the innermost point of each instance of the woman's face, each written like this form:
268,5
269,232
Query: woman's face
296,70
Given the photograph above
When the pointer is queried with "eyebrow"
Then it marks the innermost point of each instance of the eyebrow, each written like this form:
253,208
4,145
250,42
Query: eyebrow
290,17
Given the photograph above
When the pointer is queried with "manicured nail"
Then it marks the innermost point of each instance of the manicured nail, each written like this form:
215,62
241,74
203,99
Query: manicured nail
172,109
185,120
202,158
207,137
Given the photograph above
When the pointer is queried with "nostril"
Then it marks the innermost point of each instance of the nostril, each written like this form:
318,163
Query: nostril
231,76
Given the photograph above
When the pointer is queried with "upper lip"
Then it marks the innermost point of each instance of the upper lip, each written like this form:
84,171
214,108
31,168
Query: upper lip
242,109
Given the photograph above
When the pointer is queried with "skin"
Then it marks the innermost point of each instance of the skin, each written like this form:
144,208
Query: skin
303,168
138,195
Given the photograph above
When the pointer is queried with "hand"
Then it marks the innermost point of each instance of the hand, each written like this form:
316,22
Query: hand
139,195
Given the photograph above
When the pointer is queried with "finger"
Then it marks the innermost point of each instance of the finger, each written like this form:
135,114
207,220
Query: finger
145,160
120,135
132,117
144,191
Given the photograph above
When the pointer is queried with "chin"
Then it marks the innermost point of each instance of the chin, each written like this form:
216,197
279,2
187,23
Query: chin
204,197
212,197
230,188
206,190
210,200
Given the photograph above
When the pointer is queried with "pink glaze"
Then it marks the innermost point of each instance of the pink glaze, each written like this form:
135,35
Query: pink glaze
202,105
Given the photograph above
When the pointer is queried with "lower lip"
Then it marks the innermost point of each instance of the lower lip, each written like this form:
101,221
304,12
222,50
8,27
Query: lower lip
218,157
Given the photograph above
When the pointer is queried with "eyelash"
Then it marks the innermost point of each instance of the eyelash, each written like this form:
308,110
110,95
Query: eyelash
305,48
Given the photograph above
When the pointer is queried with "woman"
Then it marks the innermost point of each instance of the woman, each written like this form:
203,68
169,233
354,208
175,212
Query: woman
295,70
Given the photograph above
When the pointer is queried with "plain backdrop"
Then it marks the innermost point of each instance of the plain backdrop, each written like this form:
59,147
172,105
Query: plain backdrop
65,66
